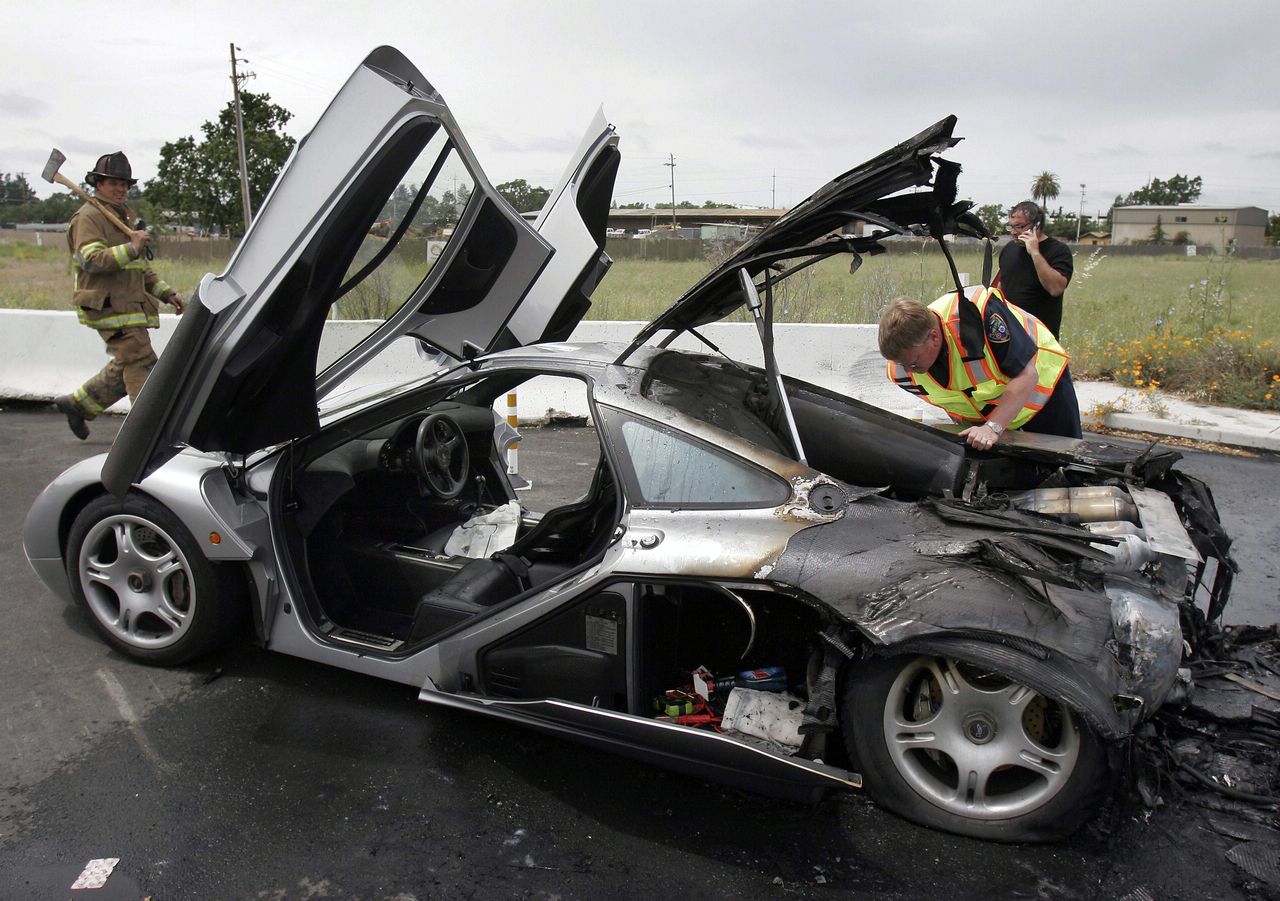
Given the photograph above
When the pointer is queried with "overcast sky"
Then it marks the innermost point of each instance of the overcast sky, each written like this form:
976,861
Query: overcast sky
759,101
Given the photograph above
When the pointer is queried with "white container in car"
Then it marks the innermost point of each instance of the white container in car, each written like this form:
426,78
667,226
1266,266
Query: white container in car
771,715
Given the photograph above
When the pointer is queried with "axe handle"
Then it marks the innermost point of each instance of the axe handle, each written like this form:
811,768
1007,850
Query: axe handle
102,207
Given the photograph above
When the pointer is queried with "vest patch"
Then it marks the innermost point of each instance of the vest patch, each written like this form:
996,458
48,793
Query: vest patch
997,330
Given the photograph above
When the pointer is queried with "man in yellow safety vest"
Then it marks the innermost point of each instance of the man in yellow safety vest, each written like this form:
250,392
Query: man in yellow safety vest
990,364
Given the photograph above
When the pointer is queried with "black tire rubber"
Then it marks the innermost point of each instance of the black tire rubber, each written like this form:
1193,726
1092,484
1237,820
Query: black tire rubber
866,692
218,605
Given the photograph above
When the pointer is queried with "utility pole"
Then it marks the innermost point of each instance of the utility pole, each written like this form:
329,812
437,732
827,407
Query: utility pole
1080,218
672,164
244,169
773,203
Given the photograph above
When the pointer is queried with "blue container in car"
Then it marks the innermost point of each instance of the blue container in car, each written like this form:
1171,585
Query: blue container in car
765,678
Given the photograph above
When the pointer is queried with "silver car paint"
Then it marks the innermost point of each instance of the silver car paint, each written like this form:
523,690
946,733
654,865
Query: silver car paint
561,225
192,485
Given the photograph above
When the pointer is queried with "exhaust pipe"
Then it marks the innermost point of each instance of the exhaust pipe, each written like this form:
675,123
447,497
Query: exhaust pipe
1102,503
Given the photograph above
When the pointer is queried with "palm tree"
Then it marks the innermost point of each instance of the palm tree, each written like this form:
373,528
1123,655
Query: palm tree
1045,188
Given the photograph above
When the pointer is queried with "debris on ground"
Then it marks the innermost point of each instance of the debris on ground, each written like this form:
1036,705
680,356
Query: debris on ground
562,418
1219,751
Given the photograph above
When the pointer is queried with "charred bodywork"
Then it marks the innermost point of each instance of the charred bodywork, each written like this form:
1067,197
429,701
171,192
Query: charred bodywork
757,580
1035,558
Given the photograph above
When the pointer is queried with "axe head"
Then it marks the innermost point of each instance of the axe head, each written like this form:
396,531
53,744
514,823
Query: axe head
56,159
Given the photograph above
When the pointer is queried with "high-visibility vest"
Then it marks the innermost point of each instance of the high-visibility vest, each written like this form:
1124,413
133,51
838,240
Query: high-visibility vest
976,381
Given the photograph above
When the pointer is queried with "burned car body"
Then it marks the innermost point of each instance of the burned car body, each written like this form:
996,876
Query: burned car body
762,581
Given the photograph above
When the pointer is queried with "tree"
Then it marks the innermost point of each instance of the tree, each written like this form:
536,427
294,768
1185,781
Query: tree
204,177
57,208
14,190
1045,188
1063,226
638,205
1178,189
992,216
1273,229
1157,233
524,197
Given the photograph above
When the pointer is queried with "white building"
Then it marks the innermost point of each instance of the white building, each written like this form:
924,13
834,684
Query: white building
1218,226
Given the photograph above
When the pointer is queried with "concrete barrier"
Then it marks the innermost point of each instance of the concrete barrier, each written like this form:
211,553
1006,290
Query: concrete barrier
47,353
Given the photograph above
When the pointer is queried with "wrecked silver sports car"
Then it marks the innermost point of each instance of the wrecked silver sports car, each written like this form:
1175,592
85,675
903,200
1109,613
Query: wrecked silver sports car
762,582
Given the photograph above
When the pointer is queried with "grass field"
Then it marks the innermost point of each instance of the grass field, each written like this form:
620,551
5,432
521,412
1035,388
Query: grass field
1198,325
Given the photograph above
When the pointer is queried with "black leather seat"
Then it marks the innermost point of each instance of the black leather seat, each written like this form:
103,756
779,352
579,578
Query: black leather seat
481,583
562,539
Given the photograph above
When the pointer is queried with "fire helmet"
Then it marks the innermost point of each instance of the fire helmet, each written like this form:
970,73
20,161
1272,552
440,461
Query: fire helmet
111,165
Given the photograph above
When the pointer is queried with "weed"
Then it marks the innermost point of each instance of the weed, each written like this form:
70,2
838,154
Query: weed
1209,299
1085,270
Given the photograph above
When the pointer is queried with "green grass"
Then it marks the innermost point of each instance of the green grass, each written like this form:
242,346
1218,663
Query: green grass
825,292
1195,325
1198,325
39,278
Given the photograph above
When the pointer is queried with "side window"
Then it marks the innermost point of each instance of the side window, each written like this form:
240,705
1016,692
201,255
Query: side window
416,223
555,459
670,469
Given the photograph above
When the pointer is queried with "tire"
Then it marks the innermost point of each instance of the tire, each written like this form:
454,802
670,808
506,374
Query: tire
148,589
955,747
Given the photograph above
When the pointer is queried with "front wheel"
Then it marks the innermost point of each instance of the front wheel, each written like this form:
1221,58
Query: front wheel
148,589
957,747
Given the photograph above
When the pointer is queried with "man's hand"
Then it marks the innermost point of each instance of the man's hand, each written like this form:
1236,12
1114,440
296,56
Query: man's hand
1031,241
175,301
139,238
982,437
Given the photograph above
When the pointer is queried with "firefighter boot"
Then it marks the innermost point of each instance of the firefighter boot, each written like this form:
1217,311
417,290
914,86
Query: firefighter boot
75,421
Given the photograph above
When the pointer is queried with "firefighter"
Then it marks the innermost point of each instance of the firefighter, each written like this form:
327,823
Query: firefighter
116,294
1014,377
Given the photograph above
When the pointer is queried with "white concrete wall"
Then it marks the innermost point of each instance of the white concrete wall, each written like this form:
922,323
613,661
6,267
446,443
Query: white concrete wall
47,353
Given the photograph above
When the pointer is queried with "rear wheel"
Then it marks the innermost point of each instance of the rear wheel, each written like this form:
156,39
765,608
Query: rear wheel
958,747
147,587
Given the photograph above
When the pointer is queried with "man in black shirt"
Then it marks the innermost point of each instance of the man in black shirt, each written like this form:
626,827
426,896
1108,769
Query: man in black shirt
1034,268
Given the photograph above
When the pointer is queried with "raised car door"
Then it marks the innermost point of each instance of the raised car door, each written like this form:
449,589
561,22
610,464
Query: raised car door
382,213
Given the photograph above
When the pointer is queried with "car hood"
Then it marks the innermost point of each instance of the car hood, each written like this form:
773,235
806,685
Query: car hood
369,201
862,193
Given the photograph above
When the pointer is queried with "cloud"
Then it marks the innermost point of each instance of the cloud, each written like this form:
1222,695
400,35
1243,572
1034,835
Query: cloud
22,106
1119,150
771,141
73,145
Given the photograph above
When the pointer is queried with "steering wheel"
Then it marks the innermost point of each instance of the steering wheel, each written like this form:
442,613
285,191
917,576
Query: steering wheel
440,451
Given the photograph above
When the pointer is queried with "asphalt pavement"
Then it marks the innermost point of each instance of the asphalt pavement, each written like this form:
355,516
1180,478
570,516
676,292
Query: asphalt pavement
254,775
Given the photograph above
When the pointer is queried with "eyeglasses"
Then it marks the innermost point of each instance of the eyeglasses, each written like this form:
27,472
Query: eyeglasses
1020,226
